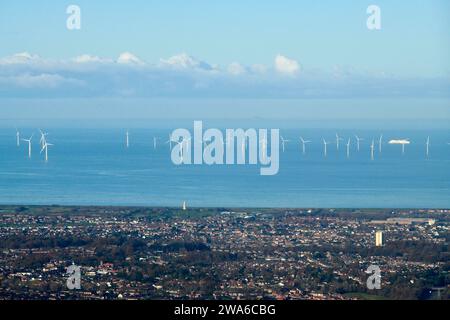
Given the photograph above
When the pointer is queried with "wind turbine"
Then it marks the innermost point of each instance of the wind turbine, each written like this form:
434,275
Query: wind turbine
181,144
304,142
29,145
428,146
283,141
348,148
337,141
358,140
380,143
43,137
325,143
18,138
170,142
127,139
45,147
155,139
372,149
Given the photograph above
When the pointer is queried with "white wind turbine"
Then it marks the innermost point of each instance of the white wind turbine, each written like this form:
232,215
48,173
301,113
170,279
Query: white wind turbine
45,147
169,142
17,137
29,145
127,139
155,139
348,148
181,144
380,143
372,149
43,137
428,146
283,141
358,140
325,144
337,141
304,142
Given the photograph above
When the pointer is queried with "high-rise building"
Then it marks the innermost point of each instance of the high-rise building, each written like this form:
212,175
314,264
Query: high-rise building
379,238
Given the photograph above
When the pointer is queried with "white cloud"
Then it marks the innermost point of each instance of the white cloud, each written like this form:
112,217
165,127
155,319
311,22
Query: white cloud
86,58
20,58
129,58
185,61
286,66
185,76
43,80
236,68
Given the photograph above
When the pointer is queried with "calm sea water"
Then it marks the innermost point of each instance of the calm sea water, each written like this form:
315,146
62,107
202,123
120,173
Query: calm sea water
93,167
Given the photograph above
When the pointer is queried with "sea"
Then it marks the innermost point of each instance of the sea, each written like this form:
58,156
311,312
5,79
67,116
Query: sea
93,166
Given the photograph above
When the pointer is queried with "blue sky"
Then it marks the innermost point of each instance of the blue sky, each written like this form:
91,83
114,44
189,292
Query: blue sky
414,39
228,49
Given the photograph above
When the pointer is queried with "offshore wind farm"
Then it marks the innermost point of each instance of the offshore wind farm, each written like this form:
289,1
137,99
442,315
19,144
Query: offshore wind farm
133,167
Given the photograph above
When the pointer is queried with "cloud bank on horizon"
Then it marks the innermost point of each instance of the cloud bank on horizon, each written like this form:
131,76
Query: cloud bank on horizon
25,75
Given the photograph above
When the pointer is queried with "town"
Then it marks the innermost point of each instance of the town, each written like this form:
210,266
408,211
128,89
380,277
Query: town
206,253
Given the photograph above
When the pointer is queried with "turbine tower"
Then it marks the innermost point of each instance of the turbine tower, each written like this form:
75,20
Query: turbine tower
127,139
283,141
348,148
304,142
372,149
380,143
169,142
181,144
337,141
358,140
325,143
45,147
29,145
428,146
18,138
43,138
155,139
